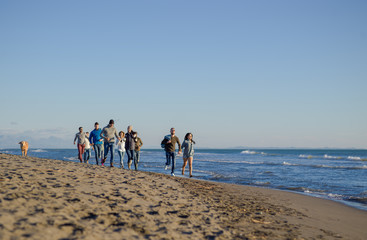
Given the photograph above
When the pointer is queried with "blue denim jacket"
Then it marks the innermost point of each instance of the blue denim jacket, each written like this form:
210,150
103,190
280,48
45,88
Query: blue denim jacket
188,147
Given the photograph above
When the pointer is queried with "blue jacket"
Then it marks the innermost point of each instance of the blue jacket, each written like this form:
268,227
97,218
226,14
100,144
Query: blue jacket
95,136
188,149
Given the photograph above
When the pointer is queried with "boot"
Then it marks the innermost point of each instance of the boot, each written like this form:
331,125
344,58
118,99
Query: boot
136,166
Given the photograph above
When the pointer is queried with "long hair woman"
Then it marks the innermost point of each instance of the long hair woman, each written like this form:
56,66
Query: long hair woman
188,153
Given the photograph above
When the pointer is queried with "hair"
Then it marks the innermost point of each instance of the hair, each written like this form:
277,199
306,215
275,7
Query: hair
187,137
112,122
80,128
121,132
87,133
96,123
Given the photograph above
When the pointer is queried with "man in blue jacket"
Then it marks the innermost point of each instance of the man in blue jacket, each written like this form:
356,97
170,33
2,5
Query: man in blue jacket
96,141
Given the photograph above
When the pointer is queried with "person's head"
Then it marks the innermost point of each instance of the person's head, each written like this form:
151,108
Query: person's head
121,134
189,137
135,134
111,122
81,129
87,133
129,128
96,125
173,131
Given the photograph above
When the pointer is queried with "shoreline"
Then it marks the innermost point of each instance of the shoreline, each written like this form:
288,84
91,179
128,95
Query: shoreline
72,200
356,201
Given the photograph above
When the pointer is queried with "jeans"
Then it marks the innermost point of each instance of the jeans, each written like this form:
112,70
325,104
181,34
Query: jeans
131,157
80,151
109,146
137,156
121,154
87,154
98,151
171,156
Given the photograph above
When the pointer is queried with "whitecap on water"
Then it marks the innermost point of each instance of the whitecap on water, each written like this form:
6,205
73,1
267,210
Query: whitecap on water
38,150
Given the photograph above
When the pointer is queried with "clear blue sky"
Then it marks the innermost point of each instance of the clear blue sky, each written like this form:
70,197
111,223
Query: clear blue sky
234,73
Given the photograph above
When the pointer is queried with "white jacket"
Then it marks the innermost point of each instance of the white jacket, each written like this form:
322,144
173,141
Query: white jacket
121,145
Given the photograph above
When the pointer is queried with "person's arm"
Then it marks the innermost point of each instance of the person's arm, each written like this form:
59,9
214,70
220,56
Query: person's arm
117,136
141,142
179,145
91,138
184,144
76,136
102,134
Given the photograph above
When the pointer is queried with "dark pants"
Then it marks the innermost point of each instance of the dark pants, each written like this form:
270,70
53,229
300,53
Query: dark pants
131,157
137,156
171,156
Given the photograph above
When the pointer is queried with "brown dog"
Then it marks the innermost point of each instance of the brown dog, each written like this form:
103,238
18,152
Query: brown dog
24,148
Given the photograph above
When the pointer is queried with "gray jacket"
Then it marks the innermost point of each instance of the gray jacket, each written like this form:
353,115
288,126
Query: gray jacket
80,137
110,133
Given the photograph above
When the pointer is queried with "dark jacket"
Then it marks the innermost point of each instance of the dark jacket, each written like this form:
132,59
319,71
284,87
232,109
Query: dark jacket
170,147
130,141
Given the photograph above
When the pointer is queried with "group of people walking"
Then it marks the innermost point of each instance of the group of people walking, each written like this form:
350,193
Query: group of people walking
104,141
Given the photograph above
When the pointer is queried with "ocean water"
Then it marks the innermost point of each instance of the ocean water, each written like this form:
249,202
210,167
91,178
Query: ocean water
339,175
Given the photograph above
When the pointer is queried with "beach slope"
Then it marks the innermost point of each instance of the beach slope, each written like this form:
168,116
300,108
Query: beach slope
52,199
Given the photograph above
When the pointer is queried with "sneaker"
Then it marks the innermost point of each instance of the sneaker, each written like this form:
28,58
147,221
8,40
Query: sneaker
166,167
191,176
102,164
172,174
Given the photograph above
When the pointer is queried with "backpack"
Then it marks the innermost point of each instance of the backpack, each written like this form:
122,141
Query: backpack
167,137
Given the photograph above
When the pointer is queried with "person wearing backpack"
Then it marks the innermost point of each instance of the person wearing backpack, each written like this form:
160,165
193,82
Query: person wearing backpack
169,143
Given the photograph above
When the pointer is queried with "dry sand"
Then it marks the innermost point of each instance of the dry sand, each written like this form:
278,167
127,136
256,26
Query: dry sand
52,199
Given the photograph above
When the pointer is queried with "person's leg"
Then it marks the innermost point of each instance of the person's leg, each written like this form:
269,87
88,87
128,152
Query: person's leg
136,157
83,148
112,148
85,156
168,159
173,156
190,165
80,152
122,159
102,152
105,153
89,154
184,165
97,152
120,156
129,158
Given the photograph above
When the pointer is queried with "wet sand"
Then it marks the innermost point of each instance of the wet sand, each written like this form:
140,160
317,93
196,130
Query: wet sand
52,199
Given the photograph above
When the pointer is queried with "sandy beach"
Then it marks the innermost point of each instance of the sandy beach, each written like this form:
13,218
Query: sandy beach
53,199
